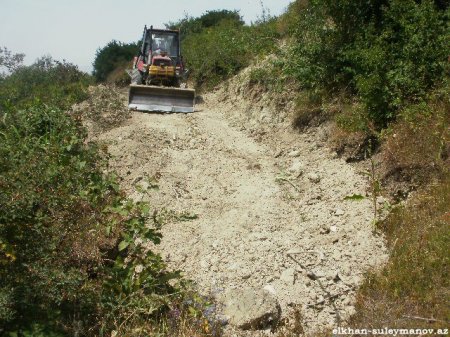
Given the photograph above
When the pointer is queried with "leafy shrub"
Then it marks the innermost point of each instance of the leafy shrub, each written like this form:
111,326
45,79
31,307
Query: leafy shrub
71,245
190,25
49,229
47,81
74,251
390,53
219,52
114,54
313,57
136,288
258,76
288,22
397,64
268,76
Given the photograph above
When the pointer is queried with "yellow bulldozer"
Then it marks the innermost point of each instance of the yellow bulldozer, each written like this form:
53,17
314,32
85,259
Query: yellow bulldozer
158,75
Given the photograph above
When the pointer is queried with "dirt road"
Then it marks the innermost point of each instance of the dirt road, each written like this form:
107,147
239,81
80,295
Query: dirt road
270,206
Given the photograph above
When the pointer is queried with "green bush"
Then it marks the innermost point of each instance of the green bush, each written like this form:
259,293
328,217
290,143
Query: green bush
189,25
313,60
400,63
71,245
111,56
219,52
47,81
73,249
48,219
389,53
268,78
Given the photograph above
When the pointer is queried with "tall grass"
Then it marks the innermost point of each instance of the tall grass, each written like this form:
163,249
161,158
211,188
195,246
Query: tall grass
412,290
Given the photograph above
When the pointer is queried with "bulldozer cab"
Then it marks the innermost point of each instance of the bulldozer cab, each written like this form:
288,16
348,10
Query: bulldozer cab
159,41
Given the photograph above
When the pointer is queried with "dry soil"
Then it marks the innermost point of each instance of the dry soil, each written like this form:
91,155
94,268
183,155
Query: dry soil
270,202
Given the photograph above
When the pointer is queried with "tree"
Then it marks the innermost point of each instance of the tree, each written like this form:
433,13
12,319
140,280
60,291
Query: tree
108,58
9,61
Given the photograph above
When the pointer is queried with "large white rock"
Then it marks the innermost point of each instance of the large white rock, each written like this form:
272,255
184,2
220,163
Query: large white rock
297,168
251,309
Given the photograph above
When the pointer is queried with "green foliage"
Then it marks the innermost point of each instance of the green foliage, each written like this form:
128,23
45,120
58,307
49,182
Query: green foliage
136,287
47,81
216,53
354,197
390,53
42,163
217,44
354,119
269,77
213,18
49,219
9,62
111,56
398,64
259,76
74,251
313,57
60,224
189,25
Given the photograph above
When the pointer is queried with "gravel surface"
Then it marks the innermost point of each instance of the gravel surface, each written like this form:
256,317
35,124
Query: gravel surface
269,200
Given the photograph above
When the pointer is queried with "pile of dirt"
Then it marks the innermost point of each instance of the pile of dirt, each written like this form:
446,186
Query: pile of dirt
255,105
106,108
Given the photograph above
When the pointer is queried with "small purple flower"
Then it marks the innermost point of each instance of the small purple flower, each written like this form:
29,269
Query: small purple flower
209,311
174,314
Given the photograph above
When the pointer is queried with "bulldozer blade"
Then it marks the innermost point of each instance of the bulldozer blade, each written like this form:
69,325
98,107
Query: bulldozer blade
161,99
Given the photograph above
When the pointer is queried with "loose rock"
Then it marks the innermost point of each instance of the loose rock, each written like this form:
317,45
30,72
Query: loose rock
247,220
294,153
296,168
339,212
313,177
288,276
251,309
